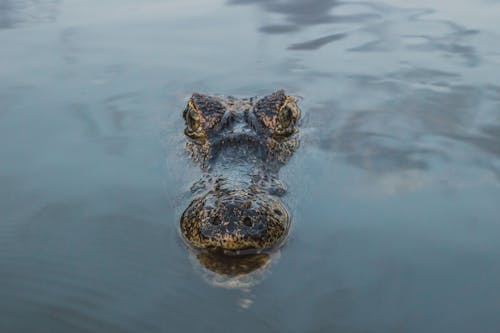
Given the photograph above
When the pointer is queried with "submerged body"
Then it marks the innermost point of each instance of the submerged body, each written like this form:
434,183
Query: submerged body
240,144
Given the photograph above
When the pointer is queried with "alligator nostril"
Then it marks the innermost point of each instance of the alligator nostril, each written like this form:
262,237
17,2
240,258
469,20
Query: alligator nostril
247,221
278,212
215,220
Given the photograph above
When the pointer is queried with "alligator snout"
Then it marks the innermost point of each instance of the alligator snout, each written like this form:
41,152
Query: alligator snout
239,223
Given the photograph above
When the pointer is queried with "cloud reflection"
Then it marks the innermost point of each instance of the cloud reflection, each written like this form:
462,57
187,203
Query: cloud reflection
316,43
14,13
298,12
418,127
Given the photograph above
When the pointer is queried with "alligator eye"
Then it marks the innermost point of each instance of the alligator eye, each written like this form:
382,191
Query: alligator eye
193,124
285,117
192,120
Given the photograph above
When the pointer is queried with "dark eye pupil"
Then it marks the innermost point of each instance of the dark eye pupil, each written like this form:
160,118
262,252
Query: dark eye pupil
191,120
285,117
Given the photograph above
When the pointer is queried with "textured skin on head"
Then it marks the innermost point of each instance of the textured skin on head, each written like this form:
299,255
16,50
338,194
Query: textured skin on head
202,115
243,221
211,109
266,110
239,219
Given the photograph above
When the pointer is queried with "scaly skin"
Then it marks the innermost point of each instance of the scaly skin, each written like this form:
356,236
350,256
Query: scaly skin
240,144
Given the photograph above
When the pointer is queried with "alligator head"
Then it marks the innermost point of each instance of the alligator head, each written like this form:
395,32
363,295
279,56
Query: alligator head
240,144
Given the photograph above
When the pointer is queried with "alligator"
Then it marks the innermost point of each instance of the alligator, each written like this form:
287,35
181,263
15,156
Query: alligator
240,145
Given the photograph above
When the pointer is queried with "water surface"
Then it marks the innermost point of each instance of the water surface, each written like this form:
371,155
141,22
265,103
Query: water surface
394,190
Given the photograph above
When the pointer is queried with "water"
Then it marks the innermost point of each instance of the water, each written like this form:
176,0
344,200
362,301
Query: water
393,191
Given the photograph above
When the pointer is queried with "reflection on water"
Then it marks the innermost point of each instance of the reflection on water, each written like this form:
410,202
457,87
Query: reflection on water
231,265
394,189
300,14
436,124
233,271
316,43
17,12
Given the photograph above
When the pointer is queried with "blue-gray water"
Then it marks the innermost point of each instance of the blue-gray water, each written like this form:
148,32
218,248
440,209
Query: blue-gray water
394,190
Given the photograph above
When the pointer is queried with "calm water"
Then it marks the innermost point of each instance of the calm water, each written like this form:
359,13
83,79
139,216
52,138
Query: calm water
394,190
